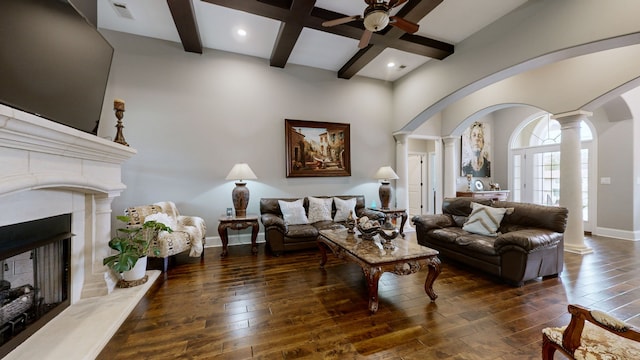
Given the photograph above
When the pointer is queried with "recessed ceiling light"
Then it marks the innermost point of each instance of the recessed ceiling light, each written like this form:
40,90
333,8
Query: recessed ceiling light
391,64
242,32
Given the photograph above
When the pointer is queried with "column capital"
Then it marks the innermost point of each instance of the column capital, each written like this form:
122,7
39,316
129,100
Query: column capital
578,113
401,137
450,139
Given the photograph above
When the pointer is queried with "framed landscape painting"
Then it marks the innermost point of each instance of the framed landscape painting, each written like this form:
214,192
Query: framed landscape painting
316,148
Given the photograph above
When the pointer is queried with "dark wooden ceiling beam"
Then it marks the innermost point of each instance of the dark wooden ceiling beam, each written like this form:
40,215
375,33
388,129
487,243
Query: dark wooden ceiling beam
359,60
413,10
414,44
184,18
259,8
290,30
416,10
298,14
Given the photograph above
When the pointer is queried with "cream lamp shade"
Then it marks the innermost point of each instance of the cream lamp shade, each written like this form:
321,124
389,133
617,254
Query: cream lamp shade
240,194
240,172
385,173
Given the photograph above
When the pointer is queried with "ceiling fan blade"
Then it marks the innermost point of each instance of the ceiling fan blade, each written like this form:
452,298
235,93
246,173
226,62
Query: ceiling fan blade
364,40
394,3
404,25
343,20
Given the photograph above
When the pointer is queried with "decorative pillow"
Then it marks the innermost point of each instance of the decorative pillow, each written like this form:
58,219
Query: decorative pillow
164,219
293,212
343,207
319,209
484,220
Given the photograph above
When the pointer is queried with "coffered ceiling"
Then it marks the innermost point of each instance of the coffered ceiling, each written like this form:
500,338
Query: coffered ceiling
291,32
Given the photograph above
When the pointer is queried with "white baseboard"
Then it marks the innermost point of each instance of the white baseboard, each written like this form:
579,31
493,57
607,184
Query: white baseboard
234,239
245,239
618,234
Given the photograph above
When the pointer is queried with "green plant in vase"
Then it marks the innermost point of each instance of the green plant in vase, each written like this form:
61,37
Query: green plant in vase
133,243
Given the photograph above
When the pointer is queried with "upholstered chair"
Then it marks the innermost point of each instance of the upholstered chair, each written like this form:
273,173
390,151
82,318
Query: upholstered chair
188,231
591,334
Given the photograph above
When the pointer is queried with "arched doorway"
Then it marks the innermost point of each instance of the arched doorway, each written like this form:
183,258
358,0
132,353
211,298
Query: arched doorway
535,164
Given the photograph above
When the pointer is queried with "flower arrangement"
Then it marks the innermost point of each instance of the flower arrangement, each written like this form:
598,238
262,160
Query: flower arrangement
133,243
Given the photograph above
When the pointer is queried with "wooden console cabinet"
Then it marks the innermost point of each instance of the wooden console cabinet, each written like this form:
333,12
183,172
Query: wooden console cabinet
496,195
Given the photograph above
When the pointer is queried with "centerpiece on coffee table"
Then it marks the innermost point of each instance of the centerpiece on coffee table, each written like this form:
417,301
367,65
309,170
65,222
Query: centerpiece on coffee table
370,228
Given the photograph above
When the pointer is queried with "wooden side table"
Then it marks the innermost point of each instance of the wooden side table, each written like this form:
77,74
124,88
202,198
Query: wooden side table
394,213
238,223
495,195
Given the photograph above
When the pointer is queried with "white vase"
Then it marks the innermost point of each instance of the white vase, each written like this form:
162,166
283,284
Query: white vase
138,271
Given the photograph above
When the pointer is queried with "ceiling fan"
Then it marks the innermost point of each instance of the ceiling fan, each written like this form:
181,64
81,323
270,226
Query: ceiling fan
376,17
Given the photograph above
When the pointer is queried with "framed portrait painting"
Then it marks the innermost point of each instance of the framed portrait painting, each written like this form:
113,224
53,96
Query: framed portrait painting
476,151
316,148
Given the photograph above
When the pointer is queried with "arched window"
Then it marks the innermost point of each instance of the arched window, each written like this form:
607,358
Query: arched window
536,162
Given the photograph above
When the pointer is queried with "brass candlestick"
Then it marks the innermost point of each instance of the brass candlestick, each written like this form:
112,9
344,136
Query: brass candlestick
118,106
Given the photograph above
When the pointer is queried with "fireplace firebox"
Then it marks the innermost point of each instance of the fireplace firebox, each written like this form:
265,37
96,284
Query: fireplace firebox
34,276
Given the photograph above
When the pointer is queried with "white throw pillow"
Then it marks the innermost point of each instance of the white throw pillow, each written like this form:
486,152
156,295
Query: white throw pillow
343,207
293,212
319,209
164,219
484,220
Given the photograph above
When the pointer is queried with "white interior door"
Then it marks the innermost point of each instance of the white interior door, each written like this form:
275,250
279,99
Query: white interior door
416,165
431,184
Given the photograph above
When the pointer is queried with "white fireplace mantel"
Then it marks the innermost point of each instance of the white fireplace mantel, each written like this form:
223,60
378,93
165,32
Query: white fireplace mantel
38,153
49,169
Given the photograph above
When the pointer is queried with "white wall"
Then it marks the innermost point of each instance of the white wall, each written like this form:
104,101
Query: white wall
615,212
506,122
191,117
536,34
633,100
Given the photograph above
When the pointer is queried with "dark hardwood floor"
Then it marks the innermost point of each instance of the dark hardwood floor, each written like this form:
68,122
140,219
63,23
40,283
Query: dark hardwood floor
286,307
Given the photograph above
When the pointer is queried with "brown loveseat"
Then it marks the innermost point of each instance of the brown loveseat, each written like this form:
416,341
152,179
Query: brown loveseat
281,236
529,242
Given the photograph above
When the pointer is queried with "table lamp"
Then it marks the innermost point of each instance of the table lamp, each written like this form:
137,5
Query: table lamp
240,194
385,174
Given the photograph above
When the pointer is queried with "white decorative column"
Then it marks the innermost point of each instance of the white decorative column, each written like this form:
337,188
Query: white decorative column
451,165
571,180
97,278
402,169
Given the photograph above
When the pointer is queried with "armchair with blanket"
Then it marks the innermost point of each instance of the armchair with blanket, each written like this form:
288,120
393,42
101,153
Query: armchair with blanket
188,231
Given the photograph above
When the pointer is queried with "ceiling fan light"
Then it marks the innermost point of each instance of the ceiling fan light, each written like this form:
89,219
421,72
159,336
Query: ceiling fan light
376,20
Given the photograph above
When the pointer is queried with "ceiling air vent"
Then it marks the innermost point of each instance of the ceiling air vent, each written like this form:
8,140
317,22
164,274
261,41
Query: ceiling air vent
122,10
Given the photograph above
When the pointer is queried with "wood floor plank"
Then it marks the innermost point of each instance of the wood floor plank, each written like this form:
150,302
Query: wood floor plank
246,306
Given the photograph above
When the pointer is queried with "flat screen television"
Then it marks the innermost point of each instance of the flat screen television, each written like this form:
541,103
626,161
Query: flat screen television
53,63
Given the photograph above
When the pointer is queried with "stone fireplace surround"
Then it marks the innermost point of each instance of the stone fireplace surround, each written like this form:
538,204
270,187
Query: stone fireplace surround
50,169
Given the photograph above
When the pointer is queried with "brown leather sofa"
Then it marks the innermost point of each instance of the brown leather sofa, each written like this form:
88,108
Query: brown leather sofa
281,237
529,243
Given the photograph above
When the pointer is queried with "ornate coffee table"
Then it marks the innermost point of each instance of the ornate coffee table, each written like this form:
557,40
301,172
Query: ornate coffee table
406,258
